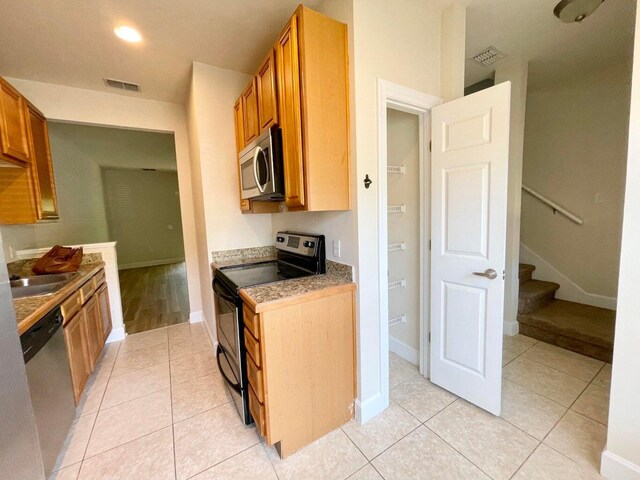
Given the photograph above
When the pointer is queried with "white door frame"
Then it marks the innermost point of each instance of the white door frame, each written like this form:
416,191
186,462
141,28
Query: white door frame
398,97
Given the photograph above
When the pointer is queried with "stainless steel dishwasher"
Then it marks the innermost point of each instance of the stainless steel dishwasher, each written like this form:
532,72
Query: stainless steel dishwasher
49,377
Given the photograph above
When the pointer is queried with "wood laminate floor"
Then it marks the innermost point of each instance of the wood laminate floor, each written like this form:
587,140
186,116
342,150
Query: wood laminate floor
154,297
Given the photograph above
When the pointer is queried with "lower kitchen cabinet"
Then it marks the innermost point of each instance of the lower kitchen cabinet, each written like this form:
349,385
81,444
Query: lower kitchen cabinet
94,328
105,311
76,338
301,365
87,324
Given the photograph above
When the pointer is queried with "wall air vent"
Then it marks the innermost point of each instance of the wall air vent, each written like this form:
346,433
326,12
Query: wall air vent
489,56
130,87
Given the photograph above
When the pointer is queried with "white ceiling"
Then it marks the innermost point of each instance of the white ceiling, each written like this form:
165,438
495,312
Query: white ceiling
529,30
71,42
117,147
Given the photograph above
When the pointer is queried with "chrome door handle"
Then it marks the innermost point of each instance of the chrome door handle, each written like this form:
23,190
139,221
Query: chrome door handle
490,273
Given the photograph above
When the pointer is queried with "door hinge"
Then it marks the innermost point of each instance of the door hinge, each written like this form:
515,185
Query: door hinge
429,340
430,145
429,244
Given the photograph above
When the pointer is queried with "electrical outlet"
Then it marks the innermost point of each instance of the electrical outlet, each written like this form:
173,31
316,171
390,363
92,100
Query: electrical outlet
336,248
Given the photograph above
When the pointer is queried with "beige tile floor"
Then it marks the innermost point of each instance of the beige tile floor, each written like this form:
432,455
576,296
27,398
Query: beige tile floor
156,408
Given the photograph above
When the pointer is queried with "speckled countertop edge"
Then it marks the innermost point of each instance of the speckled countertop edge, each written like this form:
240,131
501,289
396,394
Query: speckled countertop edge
337,274
31,309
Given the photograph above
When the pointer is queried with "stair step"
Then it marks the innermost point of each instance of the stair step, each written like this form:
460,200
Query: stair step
581,328
535,294
525,271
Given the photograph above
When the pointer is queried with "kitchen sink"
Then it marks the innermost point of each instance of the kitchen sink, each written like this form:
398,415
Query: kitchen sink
40,285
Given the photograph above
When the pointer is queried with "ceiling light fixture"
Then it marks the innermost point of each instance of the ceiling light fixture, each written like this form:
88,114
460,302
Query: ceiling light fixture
128,34
575,11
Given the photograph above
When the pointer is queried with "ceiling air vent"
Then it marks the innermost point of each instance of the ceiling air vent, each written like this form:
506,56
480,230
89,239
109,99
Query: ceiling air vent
489,56
131,87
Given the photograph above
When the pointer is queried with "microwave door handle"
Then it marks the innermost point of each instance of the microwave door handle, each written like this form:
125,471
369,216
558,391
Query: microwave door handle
255,169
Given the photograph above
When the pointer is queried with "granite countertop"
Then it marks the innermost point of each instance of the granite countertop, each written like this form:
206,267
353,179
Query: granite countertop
31,309
338,274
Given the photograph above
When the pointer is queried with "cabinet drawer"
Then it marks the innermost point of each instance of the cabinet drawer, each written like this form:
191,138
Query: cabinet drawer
71,306
87,290
251,321
257,412
255,378
99,278
253,346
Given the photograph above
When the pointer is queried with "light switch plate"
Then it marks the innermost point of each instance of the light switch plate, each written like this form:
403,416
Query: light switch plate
336,248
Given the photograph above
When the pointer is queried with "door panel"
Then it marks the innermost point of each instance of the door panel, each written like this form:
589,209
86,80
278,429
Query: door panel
470,158
13,126
267,104
289,103
250,113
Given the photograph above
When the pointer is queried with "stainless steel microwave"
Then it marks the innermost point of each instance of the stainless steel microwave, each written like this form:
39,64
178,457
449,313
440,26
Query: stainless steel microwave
261,167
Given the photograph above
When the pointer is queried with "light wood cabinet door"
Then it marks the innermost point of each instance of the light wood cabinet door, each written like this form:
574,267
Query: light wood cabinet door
267,93
76,340
250,112
245,205
289,114
41,165
14,145
105,311
94,330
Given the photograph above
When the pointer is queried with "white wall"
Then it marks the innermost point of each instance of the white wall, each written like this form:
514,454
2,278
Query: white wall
214,166
143,212
80,200
575,148
515,71
401,45
403,148
621,459
97,108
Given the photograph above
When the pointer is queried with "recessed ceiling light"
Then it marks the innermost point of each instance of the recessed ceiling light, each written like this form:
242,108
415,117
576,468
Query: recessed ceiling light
128,34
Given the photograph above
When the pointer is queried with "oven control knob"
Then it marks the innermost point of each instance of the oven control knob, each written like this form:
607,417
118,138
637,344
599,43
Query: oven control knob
309,244
280,239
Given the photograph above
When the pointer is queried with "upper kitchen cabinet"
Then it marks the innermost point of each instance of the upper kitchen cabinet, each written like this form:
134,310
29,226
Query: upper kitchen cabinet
313,104
250,112
267,92
14,144
27,194
44,185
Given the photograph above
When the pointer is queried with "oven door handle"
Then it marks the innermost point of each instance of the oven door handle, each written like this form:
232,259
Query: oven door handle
219,289
231,384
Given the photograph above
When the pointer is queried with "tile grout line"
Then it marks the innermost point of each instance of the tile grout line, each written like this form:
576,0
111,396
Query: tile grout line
173,430
456,450
224,460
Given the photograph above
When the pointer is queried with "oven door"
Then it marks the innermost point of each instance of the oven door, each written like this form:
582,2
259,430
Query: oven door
228,326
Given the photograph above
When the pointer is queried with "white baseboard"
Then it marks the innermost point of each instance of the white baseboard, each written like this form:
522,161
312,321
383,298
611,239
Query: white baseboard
615,467
150,263
403,350
116,335
511,328
371,407
195,317
569,290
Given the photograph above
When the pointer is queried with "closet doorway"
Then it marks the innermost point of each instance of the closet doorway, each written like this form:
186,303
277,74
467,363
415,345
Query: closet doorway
404,205
406,195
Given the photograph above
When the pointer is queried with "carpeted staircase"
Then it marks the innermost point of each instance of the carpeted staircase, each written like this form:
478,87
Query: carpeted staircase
581,328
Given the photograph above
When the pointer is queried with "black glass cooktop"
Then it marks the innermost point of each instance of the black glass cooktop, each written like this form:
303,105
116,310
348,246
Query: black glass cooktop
255,274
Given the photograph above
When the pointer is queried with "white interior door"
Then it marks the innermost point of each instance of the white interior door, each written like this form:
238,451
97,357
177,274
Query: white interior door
470,157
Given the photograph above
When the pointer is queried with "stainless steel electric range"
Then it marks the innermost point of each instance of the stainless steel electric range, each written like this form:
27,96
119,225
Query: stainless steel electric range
297,255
